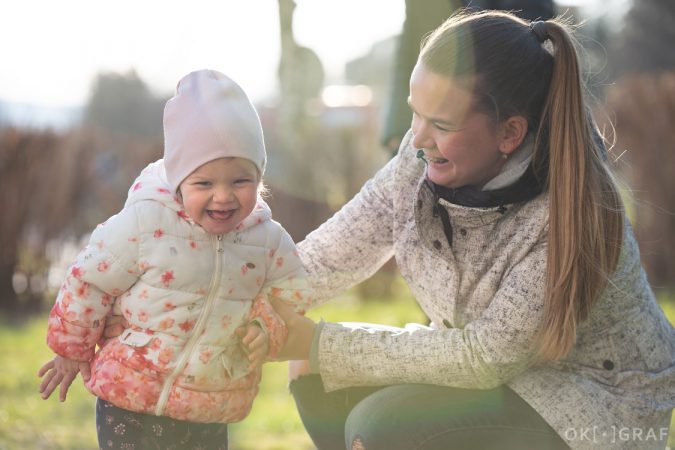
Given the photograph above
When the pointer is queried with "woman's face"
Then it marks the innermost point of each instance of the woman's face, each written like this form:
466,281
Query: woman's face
460,145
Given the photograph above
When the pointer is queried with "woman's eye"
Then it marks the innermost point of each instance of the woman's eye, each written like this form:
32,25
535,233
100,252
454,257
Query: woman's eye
443,129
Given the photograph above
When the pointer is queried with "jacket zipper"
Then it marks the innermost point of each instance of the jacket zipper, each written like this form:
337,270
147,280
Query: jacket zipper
196,332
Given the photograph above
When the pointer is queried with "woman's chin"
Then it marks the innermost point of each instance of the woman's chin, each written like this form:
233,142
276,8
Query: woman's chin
440,178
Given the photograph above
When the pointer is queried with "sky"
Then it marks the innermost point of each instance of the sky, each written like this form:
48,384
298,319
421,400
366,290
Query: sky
52,50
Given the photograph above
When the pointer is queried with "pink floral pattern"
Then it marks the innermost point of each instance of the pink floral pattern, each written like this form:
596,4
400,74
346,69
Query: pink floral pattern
167,278
122,268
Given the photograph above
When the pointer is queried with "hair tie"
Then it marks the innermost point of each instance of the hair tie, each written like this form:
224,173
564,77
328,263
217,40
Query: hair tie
538,27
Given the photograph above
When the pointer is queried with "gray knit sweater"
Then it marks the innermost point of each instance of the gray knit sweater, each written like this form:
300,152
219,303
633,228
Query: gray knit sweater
484,295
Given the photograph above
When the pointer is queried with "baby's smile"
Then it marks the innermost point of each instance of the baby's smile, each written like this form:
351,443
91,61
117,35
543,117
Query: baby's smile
219,214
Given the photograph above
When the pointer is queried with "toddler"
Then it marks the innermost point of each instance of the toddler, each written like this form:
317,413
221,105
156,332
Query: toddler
190,262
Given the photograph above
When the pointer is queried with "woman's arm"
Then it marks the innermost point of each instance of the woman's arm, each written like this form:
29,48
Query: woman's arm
356,241
482,355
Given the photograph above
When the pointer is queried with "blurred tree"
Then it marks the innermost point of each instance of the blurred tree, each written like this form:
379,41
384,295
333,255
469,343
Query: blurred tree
644,110
37,181
53,185
645,43
3,119
124,119
643,103
123,105
301,78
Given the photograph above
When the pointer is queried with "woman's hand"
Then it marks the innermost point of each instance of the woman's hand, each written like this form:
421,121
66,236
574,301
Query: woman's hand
300,332
114,326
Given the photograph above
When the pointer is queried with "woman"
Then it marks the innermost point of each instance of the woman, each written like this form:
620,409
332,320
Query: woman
507,225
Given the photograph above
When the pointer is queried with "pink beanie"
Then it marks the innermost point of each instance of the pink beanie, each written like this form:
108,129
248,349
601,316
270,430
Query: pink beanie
210,117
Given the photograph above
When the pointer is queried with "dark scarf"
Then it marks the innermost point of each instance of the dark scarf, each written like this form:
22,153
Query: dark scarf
527,187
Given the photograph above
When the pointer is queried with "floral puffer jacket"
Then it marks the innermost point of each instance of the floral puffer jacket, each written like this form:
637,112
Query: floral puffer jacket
184,292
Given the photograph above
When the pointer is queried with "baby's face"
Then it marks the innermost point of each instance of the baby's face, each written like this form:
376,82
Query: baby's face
220,194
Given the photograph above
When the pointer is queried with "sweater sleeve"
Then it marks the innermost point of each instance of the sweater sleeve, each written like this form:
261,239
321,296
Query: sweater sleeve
354,243
103,270
484,354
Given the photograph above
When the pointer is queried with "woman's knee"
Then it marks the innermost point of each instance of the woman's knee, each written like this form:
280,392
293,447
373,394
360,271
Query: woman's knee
375,423
306,389
432,417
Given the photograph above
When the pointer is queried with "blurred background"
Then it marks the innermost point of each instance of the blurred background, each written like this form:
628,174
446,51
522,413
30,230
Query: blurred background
82,89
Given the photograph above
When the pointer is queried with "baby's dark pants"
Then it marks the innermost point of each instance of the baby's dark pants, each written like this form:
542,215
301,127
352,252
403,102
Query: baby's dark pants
119,429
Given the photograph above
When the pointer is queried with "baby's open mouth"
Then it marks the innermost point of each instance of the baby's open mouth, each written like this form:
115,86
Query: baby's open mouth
216,214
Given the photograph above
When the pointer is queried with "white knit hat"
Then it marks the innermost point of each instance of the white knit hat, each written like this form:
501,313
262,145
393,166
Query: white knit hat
210,117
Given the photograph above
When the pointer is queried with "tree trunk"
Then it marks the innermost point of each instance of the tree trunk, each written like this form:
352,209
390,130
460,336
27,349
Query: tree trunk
9,301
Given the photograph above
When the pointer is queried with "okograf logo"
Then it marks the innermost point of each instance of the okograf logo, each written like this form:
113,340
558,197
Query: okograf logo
616,434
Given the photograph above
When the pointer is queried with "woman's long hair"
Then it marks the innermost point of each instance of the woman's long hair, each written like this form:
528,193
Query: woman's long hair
514,70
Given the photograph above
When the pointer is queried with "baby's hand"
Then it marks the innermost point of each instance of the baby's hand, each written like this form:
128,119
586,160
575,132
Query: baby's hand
61,371
254,341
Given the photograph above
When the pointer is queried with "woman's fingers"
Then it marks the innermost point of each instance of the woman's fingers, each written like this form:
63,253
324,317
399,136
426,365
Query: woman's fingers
257,358
112,330
113,319
252,331
114,326
257,342
286,312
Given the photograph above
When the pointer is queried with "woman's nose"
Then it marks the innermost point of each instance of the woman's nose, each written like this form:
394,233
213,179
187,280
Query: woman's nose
421,136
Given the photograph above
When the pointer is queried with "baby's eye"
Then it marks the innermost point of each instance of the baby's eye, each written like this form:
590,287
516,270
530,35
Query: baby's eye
203,183
243,181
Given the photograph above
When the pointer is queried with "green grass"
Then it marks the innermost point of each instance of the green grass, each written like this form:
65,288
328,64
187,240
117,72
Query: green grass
28,422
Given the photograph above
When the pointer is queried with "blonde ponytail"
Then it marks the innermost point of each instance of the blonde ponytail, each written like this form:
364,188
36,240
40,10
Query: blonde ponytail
585,212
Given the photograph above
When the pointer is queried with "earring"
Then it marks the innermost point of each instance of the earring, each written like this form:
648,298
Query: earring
505,156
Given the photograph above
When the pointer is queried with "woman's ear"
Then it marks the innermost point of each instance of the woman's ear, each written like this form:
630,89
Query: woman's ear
513,132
